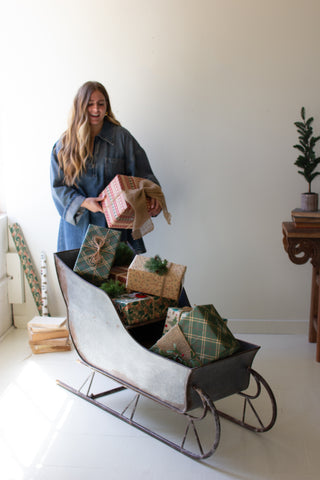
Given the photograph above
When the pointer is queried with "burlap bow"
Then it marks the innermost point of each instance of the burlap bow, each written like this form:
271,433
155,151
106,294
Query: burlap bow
142,223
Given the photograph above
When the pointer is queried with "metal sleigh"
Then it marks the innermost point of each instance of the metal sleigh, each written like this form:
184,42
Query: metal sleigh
110,349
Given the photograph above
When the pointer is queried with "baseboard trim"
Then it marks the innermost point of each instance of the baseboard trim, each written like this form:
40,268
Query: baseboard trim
21,321
284,327
3,336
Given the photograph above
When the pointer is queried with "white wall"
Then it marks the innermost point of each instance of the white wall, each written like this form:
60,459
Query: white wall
211,89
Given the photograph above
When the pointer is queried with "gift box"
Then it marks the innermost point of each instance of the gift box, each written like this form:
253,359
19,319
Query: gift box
206,333
174,315
118,212
119,273
175,346
96,254
168,285
135,308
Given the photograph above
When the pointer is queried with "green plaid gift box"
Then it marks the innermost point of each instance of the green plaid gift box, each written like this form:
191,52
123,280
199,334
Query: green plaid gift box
174,316
207,333
136,308
97,253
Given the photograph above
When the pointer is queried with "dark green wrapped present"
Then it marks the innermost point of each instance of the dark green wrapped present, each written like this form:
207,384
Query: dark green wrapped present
206,337
97,253
207,333
174,316
136,308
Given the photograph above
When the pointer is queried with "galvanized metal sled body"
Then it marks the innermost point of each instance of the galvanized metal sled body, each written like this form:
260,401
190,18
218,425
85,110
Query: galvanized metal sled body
122,353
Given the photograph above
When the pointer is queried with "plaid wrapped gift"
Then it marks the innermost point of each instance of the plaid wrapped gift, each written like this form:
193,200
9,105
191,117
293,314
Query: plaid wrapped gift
118,212
168,285
137,308
97,253
174,316
119,273
175,346
208,334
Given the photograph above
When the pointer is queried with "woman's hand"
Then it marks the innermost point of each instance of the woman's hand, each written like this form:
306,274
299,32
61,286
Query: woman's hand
155,207
93,204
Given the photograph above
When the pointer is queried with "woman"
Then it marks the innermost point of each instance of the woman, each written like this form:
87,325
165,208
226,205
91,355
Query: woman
90,153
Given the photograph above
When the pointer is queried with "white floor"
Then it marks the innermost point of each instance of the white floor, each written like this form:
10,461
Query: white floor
48,433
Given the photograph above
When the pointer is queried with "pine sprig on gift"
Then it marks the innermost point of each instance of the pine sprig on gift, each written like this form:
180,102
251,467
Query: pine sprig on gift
156,265
113,288
178,357
123,256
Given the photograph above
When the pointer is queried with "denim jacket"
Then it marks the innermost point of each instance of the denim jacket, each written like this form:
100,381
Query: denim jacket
115,152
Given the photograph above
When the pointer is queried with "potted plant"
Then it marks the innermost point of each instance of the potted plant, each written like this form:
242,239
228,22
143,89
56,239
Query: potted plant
307,160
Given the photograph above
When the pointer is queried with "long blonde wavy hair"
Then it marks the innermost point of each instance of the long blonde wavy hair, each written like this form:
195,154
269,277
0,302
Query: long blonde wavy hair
75,141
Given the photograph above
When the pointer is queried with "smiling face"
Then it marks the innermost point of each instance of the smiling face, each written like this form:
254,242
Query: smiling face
96,109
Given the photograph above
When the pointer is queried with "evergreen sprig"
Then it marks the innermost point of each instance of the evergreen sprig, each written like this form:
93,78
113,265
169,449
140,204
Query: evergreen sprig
124,255
178,357
113,288
307,160
156,265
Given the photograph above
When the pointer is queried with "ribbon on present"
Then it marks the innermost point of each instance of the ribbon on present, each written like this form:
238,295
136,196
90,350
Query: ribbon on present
137,199
96,254
142,223
98,243
163,278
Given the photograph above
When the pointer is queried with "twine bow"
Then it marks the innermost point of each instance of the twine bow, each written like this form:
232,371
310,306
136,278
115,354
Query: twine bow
97,243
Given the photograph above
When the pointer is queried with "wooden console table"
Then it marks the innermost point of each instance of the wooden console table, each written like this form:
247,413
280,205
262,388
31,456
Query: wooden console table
302,245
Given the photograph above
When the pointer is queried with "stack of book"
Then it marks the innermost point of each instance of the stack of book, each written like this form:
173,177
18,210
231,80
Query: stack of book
48,334
303,219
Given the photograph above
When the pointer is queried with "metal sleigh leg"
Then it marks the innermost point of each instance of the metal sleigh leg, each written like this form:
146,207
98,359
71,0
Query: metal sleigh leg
191,421
249,407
